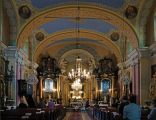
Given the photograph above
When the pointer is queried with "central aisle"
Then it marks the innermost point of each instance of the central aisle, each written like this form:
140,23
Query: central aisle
77,116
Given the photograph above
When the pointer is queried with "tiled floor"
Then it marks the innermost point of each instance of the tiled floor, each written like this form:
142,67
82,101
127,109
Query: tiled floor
76,116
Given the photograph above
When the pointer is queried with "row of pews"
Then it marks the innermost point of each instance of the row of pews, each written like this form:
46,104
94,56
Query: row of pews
33,114
110,113
106,113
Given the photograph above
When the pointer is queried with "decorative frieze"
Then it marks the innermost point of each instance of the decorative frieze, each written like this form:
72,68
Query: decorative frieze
11,52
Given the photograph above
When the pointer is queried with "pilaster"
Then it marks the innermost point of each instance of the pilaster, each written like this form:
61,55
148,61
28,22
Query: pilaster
153,53
129,73
1,20
11,56
145,72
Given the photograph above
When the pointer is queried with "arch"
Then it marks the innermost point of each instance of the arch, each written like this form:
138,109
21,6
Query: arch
73,34
77,50
86,11
82,47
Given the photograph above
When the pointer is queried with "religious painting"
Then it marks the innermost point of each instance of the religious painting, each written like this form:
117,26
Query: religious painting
48,85
39,36
115,36
131,12
24,12
105,85
152,87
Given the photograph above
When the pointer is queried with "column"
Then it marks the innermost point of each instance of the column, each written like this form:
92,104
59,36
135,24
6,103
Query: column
91,88
19,62
134,80
30,50
1,20
41,87
144,75
59,86
120,79
154,28
112,86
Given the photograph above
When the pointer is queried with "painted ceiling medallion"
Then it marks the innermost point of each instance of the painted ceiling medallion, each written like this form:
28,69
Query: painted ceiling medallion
39,36
24,12
114,36
131,12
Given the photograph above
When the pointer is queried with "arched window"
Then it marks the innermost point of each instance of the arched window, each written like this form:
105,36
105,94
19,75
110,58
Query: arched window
48,85
105,85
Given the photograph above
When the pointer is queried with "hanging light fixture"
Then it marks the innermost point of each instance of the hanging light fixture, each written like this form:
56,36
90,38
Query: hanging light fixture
76,85
78,72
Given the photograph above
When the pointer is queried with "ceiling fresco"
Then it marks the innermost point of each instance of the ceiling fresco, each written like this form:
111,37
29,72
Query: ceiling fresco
74,40
51,18
46,3
91,24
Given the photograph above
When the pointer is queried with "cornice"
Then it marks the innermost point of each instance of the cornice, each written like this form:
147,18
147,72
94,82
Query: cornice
11,52
144,52
23,58
153,47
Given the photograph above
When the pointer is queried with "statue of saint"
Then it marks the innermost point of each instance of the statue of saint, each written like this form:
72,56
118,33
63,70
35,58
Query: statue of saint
152,88
91,65
63,65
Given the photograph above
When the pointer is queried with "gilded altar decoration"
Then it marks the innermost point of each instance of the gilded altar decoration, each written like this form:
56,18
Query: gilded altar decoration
63,65
152,88
105,68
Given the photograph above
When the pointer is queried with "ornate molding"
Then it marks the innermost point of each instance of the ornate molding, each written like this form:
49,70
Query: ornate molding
133,58
144,52
153,49
84,34
86,12
83,47
11,52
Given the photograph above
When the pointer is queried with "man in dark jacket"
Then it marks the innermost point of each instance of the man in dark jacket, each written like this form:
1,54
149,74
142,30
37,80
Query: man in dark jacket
124,102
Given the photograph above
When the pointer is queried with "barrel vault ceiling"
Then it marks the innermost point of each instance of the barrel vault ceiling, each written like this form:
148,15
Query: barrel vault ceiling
89,28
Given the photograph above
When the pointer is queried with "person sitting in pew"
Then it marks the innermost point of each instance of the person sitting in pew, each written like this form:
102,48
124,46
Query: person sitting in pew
152,115
51,105
124,102
132,111
42,103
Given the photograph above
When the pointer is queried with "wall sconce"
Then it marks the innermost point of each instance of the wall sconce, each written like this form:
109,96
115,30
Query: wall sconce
54,90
